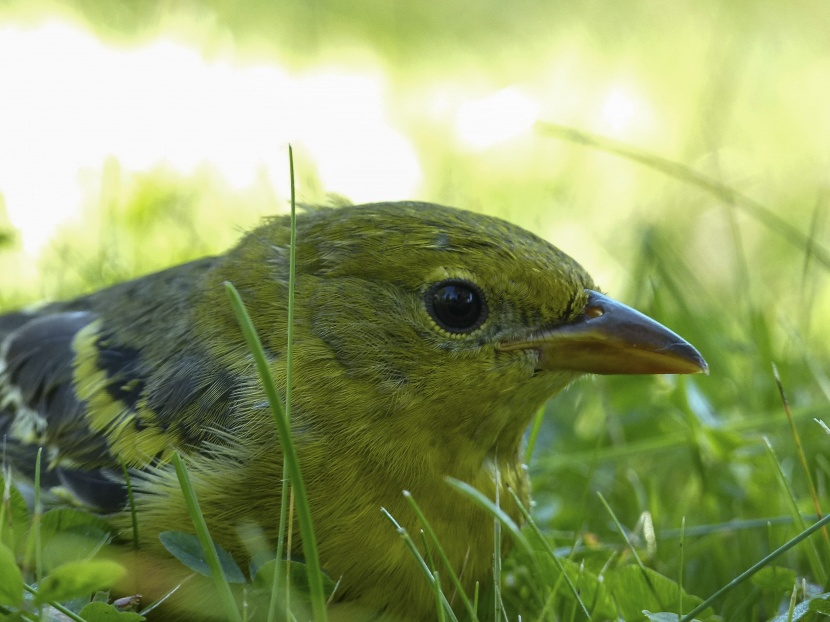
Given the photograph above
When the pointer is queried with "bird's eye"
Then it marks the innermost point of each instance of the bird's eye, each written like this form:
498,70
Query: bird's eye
456,306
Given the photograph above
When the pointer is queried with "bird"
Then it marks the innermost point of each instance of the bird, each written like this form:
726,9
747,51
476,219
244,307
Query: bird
425,339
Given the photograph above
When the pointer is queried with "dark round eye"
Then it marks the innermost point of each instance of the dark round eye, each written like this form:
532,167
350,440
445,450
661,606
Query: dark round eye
456,306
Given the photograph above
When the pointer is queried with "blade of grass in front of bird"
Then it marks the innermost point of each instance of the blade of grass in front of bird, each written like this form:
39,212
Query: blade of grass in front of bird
211,557
422,564
680,567
286,514
551,553
756,567
5,500
34,549
441,553
279,574
160,601
288,541
131,501
38,513
437,588
534,434
276,584
315,580
498,605
289,367
476,496
427,551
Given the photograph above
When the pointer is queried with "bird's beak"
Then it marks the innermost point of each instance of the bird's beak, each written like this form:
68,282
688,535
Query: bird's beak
611,338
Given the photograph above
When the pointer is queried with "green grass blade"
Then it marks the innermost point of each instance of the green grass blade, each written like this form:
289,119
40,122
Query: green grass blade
422,564
276,587
37,513
315,580
433,539
802,458
550,552
282,415
131,500
756,567
631,548
476,496
682,555
812,552
534,434
212,559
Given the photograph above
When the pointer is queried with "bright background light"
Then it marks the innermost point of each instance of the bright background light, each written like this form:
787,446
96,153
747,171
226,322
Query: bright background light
497,117
69,102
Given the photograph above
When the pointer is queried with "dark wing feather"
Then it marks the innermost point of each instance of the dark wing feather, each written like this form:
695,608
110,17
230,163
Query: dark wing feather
39,407
109,379
37,367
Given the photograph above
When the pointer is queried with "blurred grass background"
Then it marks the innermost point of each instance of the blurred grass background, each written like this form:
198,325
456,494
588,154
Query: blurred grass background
135,135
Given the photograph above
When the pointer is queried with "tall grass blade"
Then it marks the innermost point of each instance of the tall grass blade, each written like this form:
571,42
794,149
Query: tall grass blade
755,568
212,559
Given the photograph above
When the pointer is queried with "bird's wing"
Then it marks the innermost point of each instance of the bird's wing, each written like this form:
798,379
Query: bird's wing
100,391
39,407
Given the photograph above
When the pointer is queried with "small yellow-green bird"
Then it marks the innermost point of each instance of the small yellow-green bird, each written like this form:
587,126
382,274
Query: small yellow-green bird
425,339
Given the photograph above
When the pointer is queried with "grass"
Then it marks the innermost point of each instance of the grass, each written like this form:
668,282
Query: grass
681,496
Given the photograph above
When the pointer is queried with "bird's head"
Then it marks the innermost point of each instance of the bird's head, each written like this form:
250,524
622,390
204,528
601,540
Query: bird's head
450,325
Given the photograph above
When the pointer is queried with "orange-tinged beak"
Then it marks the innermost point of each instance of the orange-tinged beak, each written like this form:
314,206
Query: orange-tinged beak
611,338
